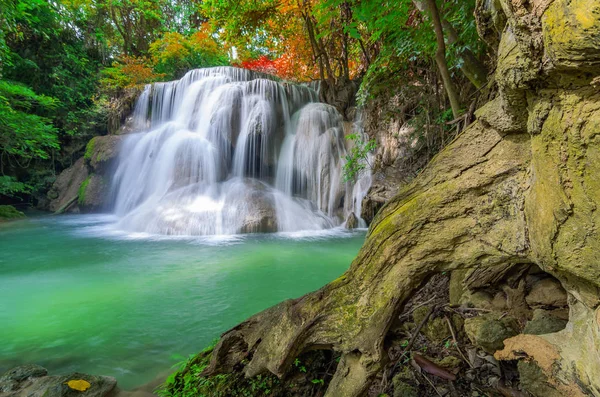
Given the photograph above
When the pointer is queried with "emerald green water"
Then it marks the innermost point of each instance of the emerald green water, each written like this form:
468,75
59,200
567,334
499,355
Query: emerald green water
76,295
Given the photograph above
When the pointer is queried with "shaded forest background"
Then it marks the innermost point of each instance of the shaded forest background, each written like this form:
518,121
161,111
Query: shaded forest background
69,68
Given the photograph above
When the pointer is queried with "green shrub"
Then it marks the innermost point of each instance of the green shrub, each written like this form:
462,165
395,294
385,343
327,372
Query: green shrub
9,212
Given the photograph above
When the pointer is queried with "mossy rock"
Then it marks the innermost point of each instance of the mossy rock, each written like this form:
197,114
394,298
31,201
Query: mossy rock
436,330
489,332
448,362
571,32
478,299
403,389
101,151
544,322
8,212
92,193
535,381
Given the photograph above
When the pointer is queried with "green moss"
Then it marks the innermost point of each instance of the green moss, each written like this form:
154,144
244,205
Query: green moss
402,389
189,382
89,149
9,212
449,362
535,381
489,332
82,189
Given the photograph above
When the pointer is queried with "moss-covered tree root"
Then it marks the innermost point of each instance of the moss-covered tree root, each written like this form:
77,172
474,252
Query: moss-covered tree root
518,186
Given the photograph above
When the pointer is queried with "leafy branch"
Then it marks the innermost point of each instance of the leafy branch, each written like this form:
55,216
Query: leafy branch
358,158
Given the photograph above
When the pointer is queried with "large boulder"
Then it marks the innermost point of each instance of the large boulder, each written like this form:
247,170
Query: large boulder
101,152
93,192
84,186
351,221
65,189
261,215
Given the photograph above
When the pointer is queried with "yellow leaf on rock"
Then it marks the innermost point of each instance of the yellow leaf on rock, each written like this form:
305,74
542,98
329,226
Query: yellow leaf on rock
79,384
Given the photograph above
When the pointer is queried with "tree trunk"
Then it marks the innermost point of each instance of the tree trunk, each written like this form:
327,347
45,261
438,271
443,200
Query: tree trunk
506,191
440,57
471,67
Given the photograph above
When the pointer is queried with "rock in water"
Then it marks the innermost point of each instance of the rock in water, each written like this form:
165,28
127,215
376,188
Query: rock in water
352,221
32,381
10,380
66,186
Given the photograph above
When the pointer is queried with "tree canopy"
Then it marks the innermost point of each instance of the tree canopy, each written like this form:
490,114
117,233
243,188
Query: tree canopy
62,61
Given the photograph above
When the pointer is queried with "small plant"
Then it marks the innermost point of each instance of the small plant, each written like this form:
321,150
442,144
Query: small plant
298,364
450,343
318,381
358,158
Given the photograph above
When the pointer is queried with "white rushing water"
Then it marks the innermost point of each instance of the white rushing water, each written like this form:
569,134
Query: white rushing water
227,151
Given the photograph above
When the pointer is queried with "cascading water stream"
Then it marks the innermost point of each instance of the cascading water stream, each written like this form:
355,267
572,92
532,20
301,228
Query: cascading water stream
227,151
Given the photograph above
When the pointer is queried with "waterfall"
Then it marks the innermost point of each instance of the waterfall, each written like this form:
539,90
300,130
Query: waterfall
226,151
363,183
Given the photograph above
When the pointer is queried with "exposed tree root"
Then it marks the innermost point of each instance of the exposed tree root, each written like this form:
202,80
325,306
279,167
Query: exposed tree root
464,211
518,186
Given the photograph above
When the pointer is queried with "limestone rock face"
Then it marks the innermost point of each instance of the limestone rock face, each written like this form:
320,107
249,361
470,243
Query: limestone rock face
66,186
571,32
261,216
101,152
93,193
84,186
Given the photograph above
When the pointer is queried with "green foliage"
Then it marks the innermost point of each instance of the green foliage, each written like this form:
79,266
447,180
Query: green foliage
25,135
298,364
48,85
358,158
9,186
406,39
9,212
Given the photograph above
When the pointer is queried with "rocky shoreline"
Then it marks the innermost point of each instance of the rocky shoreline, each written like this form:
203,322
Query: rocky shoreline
32,380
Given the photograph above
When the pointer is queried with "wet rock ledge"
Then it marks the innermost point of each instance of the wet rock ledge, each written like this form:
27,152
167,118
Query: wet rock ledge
33,381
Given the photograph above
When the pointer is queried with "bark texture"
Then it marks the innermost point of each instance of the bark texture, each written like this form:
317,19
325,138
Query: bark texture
519,186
